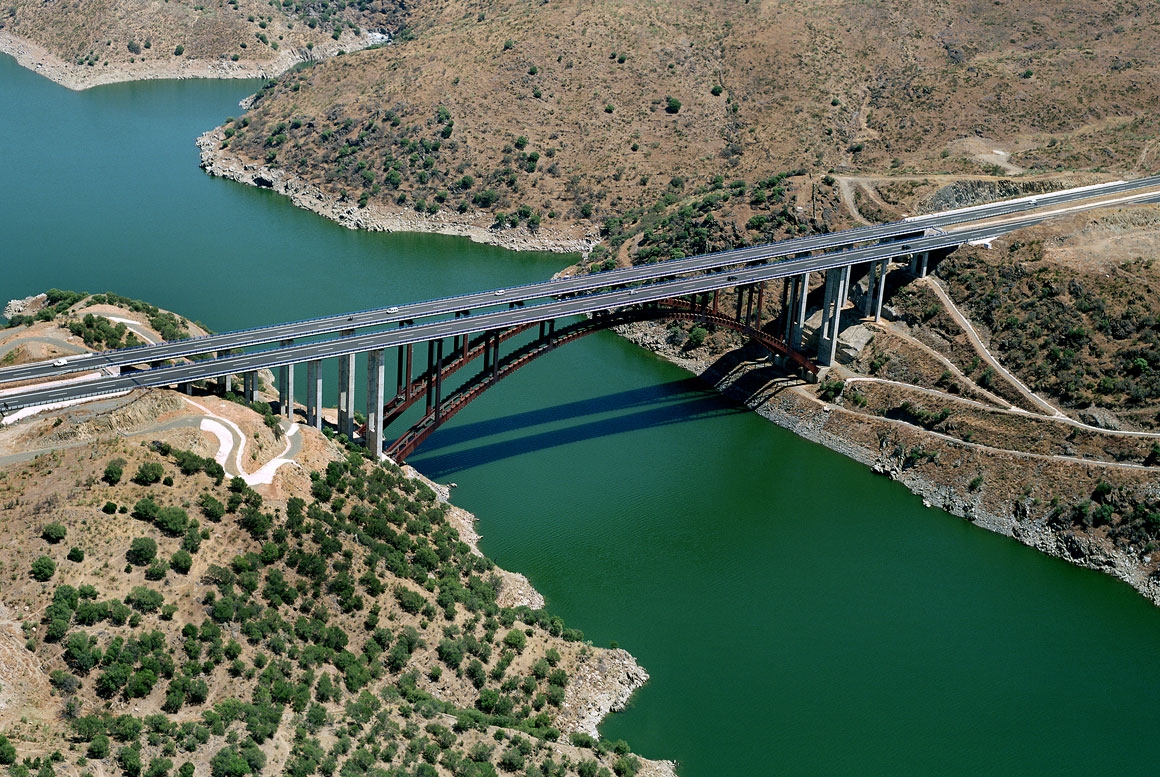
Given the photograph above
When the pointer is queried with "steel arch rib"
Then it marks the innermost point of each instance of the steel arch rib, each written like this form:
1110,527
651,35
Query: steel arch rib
406,444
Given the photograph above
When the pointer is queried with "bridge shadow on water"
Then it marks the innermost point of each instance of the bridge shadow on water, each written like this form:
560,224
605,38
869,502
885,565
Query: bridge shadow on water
676,402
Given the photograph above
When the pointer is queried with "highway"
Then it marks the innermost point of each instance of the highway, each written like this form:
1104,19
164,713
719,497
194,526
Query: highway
580,285
501,319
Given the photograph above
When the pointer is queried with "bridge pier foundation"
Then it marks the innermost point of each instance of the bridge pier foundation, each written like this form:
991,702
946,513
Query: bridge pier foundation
376,374
837,285
346,395
314,393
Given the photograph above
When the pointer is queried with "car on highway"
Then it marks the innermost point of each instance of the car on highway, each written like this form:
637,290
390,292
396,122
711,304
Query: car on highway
500,292
60,362
393,309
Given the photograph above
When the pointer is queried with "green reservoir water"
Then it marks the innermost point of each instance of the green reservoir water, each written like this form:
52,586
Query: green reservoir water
798,615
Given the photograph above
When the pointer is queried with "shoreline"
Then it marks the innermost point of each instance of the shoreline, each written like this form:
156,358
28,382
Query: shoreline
474,225
606,677
856,436
610,676
32,56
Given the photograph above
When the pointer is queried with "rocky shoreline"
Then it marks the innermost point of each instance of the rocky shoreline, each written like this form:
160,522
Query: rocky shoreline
473,225
606,678
859,436
40,60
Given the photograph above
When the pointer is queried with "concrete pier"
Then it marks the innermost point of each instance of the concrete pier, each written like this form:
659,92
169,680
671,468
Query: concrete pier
875,286
314,393
918,264
799,289
837,286
376,377
346,395
286,386
250,386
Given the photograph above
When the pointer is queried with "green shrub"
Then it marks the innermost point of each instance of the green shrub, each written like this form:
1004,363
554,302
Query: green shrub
54,533
148,473
142,550
43,568
516,640
98,747
181,561
113,471
409,600
144,599
672,105
130,760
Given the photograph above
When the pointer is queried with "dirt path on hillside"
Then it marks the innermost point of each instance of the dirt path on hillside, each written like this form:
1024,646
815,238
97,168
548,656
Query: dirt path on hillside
985,354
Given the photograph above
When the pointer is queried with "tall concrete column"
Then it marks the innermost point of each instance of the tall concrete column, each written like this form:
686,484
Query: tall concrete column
837,284
867,306
225,382
346,395
881,290
918,263
796,319
286,386
314,393
250,386
376,375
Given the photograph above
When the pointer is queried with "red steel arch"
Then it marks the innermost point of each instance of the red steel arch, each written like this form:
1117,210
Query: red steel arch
498,369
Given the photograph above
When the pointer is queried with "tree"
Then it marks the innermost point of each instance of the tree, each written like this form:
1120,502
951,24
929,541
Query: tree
140,684
142,550
75,554
7,751
229,763
148,473
516,640
98,747
130,760
672,105
43,568
144,599
181,561
113,471
54,533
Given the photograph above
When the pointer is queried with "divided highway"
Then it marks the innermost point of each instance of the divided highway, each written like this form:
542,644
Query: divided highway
578,304
581,285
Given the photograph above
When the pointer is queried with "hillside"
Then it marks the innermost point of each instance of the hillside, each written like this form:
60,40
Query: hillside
557,117
174,605
84,44
1070,307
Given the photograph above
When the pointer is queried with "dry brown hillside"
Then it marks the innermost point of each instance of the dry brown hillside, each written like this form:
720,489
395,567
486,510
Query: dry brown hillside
1070,307
564,107
116,40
